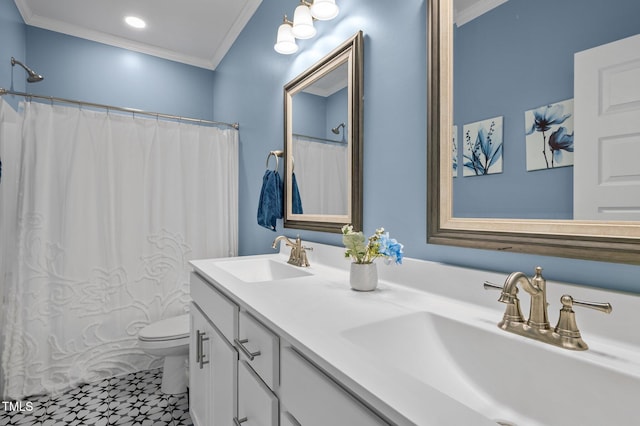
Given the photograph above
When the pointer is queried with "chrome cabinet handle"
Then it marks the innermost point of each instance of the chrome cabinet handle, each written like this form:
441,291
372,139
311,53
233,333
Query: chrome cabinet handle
238,422
247,352
200,339
197,346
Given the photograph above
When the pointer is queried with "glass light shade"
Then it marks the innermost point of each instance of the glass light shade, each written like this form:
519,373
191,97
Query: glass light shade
303,23
323,10
285,42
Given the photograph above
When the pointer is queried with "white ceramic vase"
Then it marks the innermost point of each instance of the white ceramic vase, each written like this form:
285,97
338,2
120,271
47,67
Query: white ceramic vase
363,276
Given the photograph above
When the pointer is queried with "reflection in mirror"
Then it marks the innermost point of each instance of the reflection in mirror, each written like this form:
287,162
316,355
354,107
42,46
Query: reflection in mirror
514,85
320,146
514,67
323,146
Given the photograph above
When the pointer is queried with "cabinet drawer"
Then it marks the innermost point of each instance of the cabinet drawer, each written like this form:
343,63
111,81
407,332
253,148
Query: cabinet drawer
256,404
260,348
312,398
216,306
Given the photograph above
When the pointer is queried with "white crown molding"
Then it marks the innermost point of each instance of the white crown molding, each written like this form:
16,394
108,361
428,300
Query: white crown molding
477,9
245,15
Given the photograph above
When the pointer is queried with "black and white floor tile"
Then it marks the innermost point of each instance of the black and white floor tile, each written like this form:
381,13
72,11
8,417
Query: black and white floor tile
130,400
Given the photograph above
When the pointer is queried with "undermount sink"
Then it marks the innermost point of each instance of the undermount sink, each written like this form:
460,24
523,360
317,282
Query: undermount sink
508,378
260,270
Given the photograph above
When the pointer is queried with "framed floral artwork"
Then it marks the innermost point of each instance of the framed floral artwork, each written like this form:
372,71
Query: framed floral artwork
482,143
549,136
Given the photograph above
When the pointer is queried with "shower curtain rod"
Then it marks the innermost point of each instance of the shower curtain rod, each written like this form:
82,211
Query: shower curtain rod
121,109
321,140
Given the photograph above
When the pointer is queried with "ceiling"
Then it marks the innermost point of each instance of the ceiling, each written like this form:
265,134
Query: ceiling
468,10
194,32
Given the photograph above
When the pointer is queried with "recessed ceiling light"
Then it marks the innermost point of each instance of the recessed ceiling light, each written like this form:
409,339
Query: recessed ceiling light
135,22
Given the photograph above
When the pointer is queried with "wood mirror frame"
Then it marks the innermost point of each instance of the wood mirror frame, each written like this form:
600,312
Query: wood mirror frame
613,241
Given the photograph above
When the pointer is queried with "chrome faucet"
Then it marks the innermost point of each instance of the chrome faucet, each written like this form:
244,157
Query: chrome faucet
565,334
298,256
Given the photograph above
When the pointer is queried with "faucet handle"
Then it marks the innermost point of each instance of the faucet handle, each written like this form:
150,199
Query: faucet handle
512,313
567,300
491,286
567,326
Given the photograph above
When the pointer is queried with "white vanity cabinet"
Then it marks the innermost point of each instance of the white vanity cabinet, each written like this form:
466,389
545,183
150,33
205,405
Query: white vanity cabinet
274,384
213,360
222,389
212,373
257,405
199,369
311,398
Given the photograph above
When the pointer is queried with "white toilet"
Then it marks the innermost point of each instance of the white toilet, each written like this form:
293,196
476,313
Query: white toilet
169,338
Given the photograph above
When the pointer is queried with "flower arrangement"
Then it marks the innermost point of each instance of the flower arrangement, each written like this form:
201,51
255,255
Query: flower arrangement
361,250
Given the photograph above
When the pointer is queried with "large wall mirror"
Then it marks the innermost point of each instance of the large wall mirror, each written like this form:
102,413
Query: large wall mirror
534,127
323,142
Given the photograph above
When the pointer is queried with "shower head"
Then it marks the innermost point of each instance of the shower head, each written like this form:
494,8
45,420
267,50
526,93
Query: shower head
336,129
34,77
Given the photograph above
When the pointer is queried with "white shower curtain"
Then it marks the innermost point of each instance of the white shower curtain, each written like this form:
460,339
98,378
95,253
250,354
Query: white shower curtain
321,174
110,210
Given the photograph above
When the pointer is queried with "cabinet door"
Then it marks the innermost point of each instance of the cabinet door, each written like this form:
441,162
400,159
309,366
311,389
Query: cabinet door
224,370
314,399
257,406
199,370
213,368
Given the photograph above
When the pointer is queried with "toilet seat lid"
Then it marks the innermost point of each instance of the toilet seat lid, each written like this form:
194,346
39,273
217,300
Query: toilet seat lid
166,329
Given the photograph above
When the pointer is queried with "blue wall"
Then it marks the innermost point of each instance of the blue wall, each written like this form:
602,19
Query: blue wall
75,68
316,115
248,87
309,114
13,42
337,112
502,70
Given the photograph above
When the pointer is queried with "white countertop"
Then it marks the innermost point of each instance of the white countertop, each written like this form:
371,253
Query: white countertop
315,311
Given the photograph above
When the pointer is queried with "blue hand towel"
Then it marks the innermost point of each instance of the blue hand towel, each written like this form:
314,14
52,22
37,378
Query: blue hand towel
270,206
296,207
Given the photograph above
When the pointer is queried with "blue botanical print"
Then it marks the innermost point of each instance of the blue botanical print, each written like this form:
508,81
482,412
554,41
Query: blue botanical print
483,152
559,141
543,119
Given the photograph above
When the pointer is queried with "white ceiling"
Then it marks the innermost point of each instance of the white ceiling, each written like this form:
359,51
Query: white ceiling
194,32
468,10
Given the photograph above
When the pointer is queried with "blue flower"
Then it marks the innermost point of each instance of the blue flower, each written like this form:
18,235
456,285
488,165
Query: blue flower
362,250
390,248
547,116
543,119
560,141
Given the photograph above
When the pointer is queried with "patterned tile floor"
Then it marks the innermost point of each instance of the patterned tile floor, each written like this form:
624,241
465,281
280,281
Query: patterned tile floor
130,400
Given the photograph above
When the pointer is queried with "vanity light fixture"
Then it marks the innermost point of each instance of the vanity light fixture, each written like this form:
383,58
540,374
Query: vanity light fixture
302,26
324,10
285,42
303,22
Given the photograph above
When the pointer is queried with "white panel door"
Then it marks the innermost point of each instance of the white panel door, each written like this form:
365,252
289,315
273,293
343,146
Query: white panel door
607,131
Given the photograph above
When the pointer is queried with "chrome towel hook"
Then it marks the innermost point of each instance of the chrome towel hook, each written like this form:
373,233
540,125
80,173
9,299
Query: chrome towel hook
276,154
